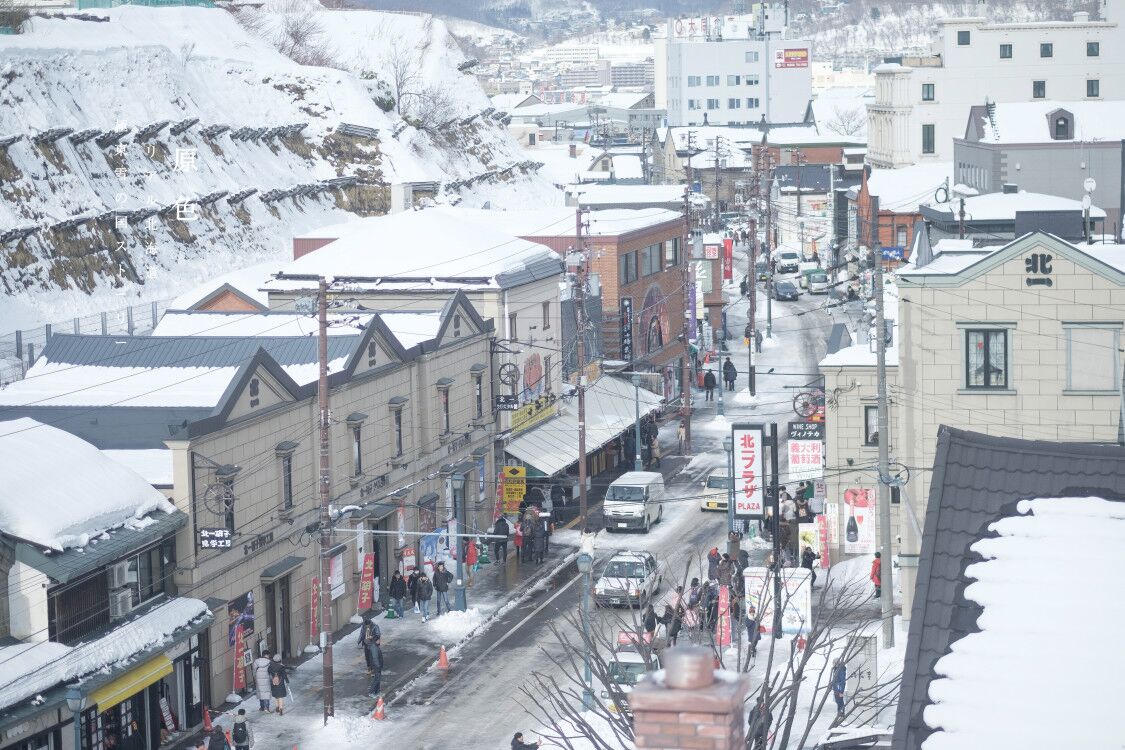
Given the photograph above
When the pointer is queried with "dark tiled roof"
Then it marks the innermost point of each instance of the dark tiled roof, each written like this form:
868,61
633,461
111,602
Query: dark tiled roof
113,427
536,269
813,177
187,351
978,479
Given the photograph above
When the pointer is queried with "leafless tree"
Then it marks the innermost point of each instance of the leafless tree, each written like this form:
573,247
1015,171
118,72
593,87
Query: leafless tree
848,120
400,62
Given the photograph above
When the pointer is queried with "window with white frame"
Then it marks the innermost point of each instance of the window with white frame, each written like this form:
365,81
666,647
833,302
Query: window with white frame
1093,361
694,104
870,425
396,424
734,103
443,395
733,80
986,358
478,395
357,450
751,57
752,102
751,80
712,80
694,81
287,481
712,104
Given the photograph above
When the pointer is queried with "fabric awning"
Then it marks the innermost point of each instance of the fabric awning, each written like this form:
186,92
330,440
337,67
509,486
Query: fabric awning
610,410
131,683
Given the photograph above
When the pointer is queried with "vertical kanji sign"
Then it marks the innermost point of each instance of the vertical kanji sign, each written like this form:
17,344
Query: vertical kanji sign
728,259
749,480
239,671
722,627
367,583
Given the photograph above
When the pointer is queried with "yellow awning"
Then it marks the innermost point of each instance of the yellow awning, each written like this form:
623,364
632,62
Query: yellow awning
131,683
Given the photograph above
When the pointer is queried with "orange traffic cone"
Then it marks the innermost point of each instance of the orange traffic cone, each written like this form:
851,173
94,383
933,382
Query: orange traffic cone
380,713
207,727
230,740
443,659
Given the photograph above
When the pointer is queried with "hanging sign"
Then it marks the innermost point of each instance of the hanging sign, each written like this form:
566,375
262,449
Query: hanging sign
728,259
367,583
314,610
239,671
722,632
749,484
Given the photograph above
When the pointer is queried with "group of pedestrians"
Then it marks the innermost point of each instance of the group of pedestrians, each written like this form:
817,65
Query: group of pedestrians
271,685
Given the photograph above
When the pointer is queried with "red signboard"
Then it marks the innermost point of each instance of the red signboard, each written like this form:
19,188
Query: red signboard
728,259
367,584
722,632
822,539
239,670
791,58
749,495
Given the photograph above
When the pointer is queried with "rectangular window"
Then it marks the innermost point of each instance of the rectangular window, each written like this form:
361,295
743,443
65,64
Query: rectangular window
627,268
927,92
986,359
78,609
674,252
734,103
752,103
693,81
1038,89
1092,360
870,425
1046,49
547,373
287,482
734,80
963,38
751,57
445,411
1093,49
357,450
751,80
693,104
1005,52
478,396
146,576
712,104
651,260
900,236
712,80
546,316
397,421
927,139
1093,87
513,332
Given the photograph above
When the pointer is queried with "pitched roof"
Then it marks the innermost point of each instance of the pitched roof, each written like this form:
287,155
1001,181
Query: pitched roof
977,480
1029,122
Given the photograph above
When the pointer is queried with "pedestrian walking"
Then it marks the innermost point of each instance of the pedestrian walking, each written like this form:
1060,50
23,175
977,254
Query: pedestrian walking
808,557
649,620
519,744
713,560
839,685
655,452
375,658
730,374
279,683
691,610
760,720
368,633
743,287
425,593
442,579
397,592
217,740
877,574
520,541
262,680
538,542
709,383
758,341
500,546
753,630
240,732
412,586
681,436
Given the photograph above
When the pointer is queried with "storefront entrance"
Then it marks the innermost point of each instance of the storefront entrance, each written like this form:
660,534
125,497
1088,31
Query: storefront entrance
278,638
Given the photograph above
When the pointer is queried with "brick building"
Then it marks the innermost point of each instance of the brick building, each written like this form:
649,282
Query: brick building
900,193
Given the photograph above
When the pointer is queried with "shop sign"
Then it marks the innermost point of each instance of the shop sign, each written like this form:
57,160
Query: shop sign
258,542
459,442
728,259
506,402
336,575
367,583
240,617
806,460
722,627
627,329
409,560
859,531
529,415
711,252
314,610
238,670
822,540
749,485
791,58
210,538
796,595
515,487
372,486
806,430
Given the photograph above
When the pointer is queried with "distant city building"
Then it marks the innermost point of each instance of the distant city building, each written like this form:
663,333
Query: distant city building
921,102
584,54
632,74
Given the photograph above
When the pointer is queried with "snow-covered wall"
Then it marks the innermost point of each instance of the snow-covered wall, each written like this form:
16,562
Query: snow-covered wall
208,109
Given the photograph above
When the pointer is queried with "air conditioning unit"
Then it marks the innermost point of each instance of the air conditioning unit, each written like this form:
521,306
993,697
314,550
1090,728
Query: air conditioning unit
120,603
119,575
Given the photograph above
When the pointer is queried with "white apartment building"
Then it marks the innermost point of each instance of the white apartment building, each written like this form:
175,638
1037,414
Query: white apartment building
921,103
582,54
729,73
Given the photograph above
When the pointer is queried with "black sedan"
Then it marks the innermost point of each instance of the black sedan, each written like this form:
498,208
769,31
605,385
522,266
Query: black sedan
784,290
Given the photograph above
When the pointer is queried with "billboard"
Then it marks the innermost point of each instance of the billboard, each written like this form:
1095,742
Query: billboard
796,598
859,529
240,614
791,58
749,472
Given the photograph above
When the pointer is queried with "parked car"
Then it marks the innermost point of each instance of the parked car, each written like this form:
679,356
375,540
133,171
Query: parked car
785,290
787,261
635,500
816,282
714,494
629,579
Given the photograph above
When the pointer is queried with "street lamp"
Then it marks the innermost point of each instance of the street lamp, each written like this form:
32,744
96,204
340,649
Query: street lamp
637,425
76,702
728,446
586,568
458,481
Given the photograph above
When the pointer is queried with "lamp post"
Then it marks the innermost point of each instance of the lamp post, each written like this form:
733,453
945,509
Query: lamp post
586,568
728,446
76,702
459,600
637,425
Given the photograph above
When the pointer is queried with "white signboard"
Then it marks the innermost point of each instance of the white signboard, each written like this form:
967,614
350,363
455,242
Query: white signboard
336,575
806,460
749,475
859,521
796,598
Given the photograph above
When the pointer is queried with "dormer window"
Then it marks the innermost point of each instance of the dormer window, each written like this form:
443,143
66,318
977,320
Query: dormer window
1062,125
1061,128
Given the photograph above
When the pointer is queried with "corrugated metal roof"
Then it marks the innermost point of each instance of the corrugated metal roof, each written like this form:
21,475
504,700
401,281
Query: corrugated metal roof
187,351
535,270
977,480
113,427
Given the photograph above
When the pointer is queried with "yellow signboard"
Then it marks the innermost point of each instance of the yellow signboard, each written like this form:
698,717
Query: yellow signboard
533,413
514,480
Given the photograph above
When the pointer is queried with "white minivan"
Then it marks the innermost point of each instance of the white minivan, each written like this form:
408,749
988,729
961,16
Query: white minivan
635,500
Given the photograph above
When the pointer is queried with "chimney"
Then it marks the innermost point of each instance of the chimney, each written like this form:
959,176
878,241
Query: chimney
574,151
694,706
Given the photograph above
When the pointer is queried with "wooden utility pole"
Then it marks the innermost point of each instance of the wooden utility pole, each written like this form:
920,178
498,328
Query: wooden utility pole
325,486
580,308
718,175
688,282
961,220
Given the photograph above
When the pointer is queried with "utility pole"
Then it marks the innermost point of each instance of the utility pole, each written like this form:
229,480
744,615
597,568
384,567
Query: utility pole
769,243
325,511
960,220
718,173
752,292
580,307
775,505
688,282
886,570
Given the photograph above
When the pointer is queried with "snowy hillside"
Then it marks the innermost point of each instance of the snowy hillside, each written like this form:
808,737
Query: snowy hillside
143,153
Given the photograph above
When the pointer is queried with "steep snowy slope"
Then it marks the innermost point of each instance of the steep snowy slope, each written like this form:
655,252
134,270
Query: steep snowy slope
142,154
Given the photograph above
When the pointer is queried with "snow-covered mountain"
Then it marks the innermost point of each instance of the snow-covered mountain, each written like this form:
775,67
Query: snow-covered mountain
143,150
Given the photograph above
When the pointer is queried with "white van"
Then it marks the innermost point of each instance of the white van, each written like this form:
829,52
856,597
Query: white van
634,501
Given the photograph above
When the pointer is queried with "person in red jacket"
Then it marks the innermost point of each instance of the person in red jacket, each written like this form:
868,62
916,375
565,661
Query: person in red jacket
877,574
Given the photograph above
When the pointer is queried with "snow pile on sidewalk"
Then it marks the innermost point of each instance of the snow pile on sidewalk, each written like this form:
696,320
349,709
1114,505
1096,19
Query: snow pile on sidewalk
454,626
1041,672
38,667
60,509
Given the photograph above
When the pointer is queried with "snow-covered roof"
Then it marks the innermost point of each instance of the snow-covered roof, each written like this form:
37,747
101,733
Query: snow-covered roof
1028,122
245,281
599,195
153,464
62,509
950,260
622,100
555,222
628,167
34,668
1003,206
411,328
440,242
983,688
508,102
207,323
834,105
903,190
863,354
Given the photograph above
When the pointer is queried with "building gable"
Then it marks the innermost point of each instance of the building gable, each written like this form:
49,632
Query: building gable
259,392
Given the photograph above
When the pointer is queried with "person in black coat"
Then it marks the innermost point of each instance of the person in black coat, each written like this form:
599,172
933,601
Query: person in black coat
760,720
709,383
649,620
412,586
442,579
397,591
375,659
500,546
519,744
425,592
279,683
808,557
538,541
753,631
730,374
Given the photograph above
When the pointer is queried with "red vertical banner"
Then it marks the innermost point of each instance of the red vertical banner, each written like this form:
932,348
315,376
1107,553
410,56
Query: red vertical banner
239,670
314,612
822,539
728,259
367,583
722,633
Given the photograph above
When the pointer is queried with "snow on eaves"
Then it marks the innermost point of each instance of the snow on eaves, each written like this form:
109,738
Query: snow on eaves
60,509
32,668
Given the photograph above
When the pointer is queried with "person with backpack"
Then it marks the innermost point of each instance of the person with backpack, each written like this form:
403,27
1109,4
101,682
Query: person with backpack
397,592
241,734
262,680
442,579
412,586
217,740
279,683
368,633
425,593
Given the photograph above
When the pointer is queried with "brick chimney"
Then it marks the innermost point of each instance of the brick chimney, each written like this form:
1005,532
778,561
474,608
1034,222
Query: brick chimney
694,706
